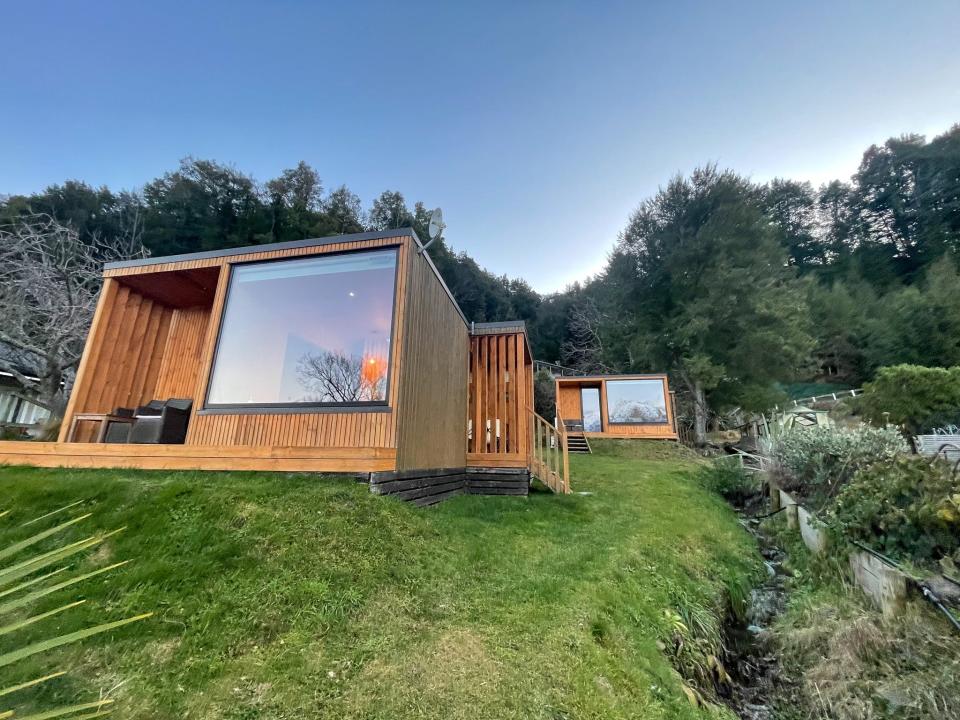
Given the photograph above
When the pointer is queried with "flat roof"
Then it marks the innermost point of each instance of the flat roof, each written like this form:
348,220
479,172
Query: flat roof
292,245
247,249
631,376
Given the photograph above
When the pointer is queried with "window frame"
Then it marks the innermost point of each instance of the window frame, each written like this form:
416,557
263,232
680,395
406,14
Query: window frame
666,402
209,408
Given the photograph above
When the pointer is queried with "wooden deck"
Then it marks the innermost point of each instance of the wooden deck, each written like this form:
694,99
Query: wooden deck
198,457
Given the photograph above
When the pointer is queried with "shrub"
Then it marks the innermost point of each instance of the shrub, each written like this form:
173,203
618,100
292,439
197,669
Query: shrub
916,398
818,460
726,477
908,508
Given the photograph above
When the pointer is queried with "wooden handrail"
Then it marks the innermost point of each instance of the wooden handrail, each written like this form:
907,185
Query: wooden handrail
549,458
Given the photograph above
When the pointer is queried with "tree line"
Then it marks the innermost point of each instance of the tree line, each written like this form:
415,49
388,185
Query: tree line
733,287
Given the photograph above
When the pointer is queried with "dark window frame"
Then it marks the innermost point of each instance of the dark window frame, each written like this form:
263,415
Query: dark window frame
209,408
666,406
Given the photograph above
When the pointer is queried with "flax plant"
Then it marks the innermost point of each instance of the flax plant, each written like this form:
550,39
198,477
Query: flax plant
28,575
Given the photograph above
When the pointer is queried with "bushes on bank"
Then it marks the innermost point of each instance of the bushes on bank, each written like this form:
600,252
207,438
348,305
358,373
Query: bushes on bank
908,508
917,398
728,478
817,461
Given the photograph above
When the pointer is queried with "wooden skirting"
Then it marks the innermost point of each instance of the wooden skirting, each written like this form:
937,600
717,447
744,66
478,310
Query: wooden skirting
420,487
428,487
198,457
496,460
656,435
498,481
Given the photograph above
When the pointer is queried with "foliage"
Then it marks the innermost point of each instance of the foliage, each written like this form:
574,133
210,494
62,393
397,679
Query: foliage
35,583
819,460
726,476
849,662
698,265
908,508
544,395
710,258
284,596
917,398
49,282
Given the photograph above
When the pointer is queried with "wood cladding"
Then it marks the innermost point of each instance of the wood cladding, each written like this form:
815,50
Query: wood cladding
569,407
180,367
328,428
141,348
500,396
196,457
431,402
125,357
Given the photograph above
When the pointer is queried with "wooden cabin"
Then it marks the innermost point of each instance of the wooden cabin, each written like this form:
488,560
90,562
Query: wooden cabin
616,406
346,354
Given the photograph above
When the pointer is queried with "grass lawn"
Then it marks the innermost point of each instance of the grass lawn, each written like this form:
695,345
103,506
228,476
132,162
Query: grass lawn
288,596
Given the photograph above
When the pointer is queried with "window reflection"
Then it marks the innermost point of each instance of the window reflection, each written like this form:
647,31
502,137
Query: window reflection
636,401
308,331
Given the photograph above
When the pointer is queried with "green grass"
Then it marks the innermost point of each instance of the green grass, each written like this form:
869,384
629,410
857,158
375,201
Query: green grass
288,596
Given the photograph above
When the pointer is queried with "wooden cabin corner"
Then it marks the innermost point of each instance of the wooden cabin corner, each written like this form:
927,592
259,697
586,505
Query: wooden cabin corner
334,355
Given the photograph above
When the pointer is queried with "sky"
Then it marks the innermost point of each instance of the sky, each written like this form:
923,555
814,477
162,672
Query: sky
536,126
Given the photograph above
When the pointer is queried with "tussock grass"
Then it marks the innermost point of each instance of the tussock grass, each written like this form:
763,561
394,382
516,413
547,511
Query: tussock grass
853,664
289,596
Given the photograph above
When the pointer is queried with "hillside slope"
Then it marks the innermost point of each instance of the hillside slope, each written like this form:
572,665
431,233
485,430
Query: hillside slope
283,596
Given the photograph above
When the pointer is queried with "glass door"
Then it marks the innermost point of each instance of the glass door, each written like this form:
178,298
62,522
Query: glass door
590,403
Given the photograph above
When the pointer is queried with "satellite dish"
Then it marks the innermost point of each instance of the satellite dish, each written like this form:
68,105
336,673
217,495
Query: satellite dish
435,228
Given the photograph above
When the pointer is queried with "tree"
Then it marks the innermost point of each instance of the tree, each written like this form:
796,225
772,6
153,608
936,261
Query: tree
792,206
342,211
710,293
295,202
334,376
203,206
49,282
390,212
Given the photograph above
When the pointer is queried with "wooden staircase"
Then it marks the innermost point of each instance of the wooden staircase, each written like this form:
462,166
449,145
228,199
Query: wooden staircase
577,443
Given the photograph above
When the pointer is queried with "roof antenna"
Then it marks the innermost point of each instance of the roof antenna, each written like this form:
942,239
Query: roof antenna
435,228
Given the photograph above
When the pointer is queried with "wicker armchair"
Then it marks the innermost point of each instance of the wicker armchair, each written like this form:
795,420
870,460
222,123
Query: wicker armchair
161,422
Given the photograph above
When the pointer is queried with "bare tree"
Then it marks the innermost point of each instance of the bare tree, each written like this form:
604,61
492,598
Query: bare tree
49,282
583,348
337,377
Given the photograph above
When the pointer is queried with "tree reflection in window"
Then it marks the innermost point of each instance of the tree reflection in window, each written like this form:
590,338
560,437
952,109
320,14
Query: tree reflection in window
335,377
307,331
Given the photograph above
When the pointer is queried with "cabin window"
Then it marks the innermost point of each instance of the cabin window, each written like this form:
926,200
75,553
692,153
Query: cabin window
634,402
308,332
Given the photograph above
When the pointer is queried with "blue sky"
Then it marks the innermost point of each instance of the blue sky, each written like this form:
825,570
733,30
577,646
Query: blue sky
537,127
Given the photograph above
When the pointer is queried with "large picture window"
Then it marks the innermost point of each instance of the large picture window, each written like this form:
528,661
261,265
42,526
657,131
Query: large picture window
636,401
308,332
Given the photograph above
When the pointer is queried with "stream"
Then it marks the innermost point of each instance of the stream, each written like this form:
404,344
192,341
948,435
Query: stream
751,658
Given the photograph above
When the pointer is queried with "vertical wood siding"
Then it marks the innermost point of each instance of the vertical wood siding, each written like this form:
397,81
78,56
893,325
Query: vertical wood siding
432,402
500,389
183,353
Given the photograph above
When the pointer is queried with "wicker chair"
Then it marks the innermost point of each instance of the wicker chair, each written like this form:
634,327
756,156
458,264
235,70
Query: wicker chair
161,422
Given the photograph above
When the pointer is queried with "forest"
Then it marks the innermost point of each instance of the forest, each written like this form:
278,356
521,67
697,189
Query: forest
736,288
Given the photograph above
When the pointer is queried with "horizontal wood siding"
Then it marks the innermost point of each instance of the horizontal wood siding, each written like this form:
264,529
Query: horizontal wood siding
197,457
432,400
500,388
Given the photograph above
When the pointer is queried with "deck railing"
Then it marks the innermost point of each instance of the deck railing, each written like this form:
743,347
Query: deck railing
549,459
